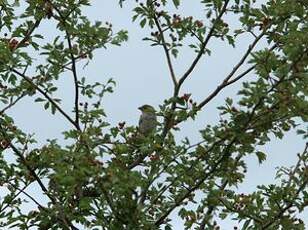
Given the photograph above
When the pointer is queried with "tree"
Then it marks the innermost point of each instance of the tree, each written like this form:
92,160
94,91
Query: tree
116,178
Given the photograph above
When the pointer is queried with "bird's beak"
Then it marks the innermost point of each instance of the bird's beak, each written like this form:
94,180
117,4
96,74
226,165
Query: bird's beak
140,108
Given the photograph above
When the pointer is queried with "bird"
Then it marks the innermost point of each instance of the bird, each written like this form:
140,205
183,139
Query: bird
147,120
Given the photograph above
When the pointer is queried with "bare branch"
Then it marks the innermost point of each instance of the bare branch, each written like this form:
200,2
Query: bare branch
203,46
73,62
166,50
168,120
12,103
47,97
13,198
28,195
227,81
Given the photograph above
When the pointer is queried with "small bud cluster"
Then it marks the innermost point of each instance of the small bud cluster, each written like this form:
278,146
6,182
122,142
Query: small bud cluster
13,44
4,144
121,125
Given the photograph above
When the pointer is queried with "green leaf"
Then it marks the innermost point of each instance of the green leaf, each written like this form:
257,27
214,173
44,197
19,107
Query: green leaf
229,101
246,224
53,109
261,156
46,106
174,52
143,22
39,99
176,3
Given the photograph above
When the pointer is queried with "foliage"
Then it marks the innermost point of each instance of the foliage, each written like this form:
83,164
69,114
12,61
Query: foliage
114,178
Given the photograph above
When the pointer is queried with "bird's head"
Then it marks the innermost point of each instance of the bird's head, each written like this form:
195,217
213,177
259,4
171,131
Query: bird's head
147,109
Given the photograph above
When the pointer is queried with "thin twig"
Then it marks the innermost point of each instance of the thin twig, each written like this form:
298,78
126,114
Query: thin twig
166,50
74,70
12,103
47,97
12,198
30,31
28,195
168,120
227,81
203,46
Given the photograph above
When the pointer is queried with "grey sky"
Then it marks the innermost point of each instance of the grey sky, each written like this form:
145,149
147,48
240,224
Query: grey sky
142,77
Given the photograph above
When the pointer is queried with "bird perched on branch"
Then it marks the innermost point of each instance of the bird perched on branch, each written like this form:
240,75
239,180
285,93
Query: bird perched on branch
147,121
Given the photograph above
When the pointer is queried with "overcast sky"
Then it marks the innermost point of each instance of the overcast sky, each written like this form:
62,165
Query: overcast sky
142,78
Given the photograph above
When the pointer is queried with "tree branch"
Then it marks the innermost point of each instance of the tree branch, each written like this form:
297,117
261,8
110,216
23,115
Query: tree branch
166,50
290,203
30,31
227,81
12,103
209,170
47,97
73,62
63,218
12,198
168,120
203,46
75,80
27,194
